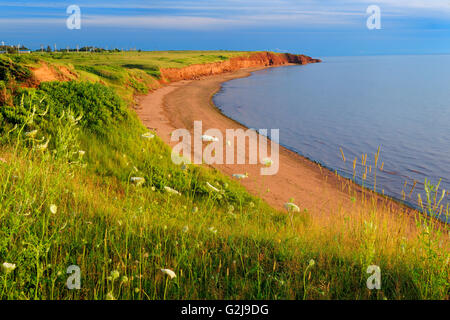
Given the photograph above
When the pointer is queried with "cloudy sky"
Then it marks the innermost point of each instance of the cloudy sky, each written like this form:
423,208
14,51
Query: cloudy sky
316,27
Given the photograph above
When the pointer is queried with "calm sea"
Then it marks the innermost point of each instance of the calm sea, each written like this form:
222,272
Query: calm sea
401,103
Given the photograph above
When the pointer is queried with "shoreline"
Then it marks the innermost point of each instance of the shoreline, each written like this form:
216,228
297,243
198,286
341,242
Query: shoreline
312,186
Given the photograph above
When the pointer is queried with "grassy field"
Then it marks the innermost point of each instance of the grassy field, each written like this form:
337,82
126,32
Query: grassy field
81,185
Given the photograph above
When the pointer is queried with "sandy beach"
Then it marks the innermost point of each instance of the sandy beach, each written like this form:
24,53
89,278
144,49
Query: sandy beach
179,104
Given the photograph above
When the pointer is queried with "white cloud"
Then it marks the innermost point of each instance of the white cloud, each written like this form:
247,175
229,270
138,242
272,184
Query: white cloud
201,15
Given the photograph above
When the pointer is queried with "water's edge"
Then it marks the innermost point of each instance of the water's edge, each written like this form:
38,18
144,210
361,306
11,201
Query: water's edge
341,173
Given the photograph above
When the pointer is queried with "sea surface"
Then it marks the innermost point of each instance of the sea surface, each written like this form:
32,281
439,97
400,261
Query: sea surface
398,103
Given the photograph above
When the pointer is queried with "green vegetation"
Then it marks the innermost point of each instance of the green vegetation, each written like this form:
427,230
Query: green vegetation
131,72
82,184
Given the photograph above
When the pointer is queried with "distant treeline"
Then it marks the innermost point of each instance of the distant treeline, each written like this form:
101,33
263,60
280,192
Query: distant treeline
14,49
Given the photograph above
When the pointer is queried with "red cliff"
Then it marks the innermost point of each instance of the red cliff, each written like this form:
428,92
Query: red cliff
259,59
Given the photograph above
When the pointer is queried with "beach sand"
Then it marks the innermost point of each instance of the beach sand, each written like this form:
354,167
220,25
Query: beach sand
179,104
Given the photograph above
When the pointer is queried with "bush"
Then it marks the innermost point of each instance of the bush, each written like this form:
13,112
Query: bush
99,106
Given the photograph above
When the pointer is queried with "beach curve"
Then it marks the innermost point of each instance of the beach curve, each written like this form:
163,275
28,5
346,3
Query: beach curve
313,187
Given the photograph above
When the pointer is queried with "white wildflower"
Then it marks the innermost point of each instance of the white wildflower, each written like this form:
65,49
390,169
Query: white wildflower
114,275
8,267
213,230
148,135
291,207
169,272
138,180
53,208
240,175
209,138
172,191
31,134
43,146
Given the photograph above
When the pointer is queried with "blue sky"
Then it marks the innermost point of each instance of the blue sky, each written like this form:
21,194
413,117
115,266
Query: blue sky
315,27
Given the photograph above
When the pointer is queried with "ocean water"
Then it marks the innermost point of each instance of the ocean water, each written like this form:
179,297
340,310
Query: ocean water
400,103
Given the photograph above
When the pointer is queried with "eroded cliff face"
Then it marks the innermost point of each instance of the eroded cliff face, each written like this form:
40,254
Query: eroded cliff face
260,59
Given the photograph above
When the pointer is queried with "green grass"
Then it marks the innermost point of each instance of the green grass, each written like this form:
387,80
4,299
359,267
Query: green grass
147,61
221,245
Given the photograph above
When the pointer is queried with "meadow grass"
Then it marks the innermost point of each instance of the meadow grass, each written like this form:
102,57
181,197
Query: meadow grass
68,197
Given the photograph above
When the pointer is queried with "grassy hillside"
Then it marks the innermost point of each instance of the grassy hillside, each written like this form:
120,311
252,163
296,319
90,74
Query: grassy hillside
127,72
81,183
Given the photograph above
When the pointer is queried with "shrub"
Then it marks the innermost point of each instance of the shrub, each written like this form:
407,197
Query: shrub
99,106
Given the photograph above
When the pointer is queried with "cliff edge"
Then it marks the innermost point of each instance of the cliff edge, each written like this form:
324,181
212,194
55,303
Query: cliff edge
258,59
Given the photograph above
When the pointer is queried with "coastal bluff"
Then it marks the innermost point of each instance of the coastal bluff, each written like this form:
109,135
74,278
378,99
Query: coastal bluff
257,59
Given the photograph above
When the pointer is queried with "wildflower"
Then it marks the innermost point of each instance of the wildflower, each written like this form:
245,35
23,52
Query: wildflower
212,187
209,138
43,146
172,191
240,175
148,135
114,275
251,204
8,267
194,210
213,230
137,290
138,180
125,279
81,153
291,207
267,162
185,229
311,262
169,272
110,296
53,208
31,134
